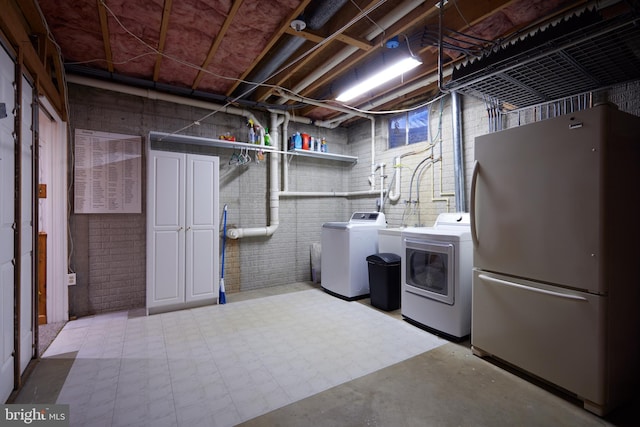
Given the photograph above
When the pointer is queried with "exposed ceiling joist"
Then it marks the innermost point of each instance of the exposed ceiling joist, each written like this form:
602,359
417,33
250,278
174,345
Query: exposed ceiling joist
216,43
239,50
106,38
166,14
282,29
344,38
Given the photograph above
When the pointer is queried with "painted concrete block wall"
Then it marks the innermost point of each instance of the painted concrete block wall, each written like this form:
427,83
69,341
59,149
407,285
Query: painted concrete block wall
109,254
432,190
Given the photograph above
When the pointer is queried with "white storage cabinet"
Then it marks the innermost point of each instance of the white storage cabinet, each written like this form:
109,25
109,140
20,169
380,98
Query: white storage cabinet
182,230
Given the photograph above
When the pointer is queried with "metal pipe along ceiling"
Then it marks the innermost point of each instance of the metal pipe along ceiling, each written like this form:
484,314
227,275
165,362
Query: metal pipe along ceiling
398,13
319,17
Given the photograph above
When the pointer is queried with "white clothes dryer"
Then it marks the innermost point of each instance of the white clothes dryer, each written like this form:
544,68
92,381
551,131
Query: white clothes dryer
436,275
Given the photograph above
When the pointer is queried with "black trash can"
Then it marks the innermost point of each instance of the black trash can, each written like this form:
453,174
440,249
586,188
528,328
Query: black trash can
384,280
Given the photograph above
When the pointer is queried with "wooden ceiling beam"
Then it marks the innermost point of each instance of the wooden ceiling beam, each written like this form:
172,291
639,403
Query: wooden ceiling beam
164,25
344,38
414,18
216,42
263,93
286,23
106,40
460,18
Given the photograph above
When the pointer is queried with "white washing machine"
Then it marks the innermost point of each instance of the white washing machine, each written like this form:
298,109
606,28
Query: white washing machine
436,275
345,248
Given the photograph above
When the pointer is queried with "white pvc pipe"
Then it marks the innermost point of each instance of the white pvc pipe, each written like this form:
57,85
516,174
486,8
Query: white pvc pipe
274,195
381,185
159,96
373,154
322,104
285,140
394,195
327,193
274,191
345,110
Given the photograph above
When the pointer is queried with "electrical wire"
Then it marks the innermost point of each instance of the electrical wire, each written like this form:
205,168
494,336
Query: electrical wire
329,103
154,51
455,3
382,30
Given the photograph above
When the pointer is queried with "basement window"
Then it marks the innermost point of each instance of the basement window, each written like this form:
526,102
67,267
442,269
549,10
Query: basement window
409,128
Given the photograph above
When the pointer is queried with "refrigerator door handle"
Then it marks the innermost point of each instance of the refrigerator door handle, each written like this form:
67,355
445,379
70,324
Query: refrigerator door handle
530,289
472,207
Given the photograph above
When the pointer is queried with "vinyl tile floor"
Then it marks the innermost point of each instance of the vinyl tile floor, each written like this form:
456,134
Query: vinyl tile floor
287,356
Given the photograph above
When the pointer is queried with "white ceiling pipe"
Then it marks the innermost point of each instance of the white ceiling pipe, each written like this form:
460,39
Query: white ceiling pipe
176,99
307,121
159,96
322,104
398,13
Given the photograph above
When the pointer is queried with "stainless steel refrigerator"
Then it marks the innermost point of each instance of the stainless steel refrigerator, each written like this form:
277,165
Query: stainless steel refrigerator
556,280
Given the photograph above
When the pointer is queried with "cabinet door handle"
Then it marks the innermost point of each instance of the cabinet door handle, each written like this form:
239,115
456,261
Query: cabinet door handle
180,229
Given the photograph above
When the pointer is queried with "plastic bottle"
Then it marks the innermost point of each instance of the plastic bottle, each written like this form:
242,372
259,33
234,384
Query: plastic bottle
260,136
267,137
252,135
297,138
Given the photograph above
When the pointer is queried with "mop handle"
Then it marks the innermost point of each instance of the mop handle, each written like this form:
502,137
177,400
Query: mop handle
224,238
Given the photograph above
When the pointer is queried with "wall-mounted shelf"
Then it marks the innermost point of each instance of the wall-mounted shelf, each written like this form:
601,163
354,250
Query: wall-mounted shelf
214,142
321,155
211,142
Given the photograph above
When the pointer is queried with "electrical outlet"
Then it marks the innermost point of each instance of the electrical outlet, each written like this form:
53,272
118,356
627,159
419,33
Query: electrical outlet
71,280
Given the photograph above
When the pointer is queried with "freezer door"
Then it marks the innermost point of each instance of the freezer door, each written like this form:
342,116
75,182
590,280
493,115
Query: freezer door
555,334
536,201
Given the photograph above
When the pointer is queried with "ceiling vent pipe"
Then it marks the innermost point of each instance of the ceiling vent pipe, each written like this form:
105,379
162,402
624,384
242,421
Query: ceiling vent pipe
315,21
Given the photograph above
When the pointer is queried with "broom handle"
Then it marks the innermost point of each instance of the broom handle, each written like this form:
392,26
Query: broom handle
224,238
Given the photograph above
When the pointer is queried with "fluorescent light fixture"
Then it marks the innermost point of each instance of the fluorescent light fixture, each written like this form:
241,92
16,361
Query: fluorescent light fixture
380,78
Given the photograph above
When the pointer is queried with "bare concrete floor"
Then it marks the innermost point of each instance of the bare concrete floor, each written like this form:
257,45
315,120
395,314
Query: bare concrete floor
447,386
